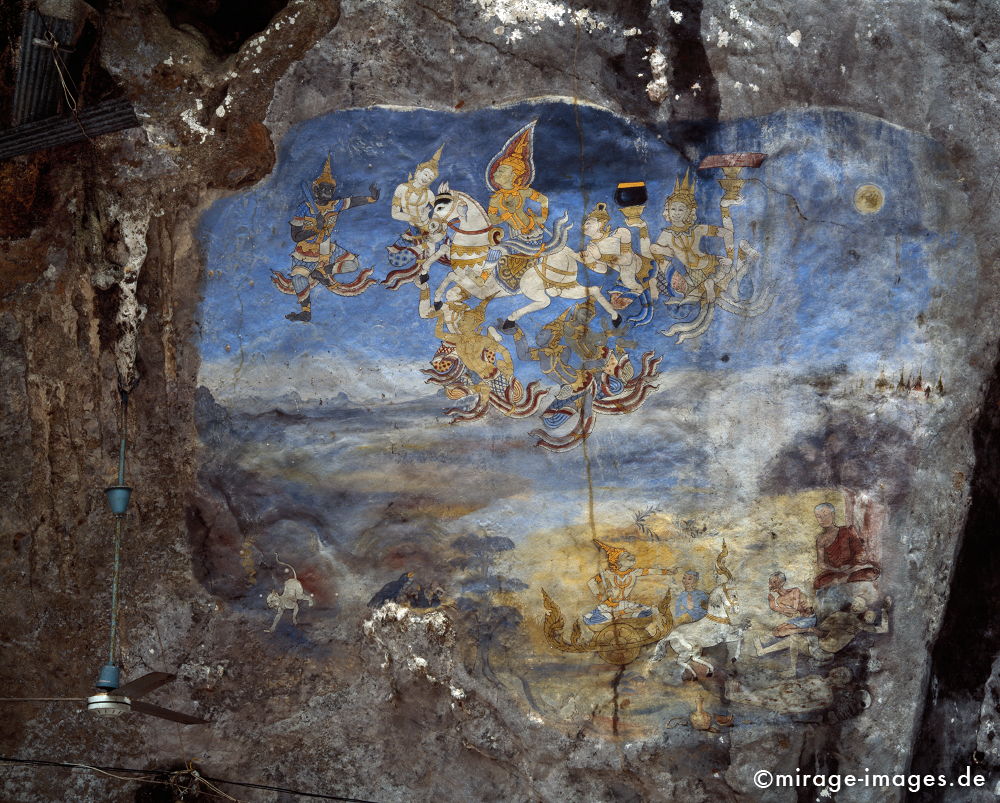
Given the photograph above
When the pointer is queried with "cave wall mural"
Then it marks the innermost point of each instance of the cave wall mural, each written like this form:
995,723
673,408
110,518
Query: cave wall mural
638,420
620,425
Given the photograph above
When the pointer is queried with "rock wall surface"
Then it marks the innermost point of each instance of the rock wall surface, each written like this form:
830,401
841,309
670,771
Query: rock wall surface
396,702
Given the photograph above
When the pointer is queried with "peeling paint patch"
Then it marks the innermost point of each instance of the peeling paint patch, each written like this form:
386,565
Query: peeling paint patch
134,224
657,88
188,116
586,18
745,22
523,11
723,36
530,14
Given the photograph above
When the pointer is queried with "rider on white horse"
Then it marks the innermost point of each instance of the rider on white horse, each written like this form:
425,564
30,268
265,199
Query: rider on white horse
716,627
542,276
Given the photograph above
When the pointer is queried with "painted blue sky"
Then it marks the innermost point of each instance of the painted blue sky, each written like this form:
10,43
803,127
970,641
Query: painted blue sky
848,288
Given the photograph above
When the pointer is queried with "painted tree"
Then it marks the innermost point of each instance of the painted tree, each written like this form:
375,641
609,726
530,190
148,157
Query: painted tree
492,627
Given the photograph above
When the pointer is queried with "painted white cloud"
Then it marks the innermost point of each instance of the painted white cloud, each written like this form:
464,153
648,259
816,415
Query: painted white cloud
314,378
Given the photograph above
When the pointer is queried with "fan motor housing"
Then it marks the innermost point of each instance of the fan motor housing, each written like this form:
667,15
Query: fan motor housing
108,705
110,677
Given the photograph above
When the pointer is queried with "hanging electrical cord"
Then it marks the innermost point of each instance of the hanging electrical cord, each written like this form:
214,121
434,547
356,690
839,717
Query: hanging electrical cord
65,79
119,523
201,779
152,774
299,792
51,42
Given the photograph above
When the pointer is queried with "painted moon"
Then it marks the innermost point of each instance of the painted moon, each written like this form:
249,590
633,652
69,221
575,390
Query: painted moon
869,199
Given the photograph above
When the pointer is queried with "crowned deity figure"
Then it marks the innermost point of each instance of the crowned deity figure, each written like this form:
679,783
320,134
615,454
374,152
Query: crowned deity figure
412,203
612,249
705,275
514,206
317,257
614,585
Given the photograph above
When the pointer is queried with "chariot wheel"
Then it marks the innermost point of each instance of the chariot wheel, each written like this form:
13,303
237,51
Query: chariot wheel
619,643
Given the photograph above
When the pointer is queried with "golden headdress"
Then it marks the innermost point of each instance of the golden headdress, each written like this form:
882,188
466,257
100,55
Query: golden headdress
518,153
613,552
432,163
326,177
720,566
684,191
600,212
458,297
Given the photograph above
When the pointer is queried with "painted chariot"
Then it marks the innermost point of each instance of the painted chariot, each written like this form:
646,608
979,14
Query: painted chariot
617,642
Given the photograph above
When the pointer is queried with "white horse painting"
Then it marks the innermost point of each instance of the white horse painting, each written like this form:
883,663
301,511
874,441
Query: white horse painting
717,626
551,270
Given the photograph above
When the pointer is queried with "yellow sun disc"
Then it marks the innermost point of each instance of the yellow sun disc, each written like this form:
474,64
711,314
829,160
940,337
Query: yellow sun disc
868,199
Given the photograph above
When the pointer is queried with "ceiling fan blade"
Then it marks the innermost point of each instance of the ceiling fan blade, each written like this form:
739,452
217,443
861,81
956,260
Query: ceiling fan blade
43,699
166,713
144,685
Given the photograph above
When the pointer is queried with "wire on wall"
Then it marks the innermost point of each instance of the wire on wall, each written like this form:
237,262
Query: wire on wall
158,776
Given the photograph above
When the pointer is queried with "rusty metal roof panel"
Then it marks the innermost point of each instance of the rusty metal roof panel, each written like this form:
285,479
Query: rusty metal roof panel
38,91
101,118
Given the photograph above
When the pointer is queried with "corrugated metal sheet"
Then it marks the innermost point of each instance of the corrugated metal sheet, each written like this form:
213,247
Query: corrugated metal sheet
39,91
102,118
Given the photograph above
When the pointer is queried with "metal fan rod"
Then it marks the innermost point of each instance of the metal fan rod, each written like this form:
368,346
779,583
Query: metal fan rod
118,532
114,583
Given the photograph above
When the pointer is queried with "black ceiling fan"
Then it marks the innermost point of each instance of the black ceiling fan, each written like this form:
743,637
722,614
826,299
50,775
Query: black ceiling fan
113,698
